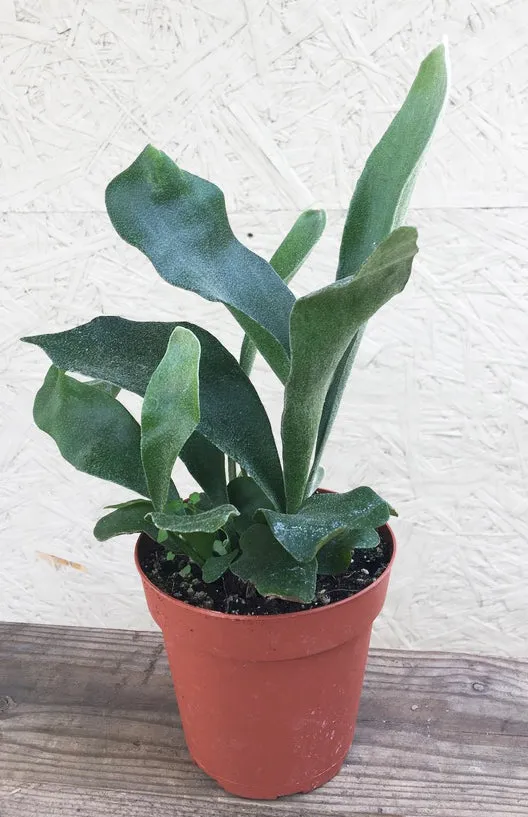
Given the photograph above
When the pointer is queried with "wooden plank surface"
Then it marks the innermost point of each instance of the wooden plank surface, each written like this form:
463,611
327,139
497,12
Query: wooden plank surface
89,727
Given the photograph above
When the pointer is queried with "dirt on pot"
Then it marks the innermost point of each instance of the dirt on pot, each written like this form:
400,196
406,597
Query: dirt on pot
231,595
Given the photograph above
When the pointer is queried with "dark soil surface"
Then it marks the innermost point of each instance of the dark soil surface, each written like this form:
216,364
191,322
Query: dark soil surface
231,595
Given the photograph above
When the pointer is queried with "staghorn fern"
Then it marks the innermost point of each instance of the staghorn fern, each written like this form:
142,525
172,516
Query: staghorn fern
266,525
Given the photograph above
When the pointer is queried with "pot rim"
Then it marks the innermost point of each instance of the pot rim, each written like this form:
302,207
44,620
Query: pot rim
236,617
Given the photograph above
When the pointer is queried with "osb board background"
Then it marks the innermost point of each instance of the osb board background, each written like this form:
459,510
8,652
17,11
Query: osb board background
279,103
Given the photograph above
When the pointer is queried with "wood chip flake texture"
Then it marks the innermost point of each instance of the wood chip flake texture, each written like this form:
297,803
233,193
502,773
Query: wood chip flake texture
279,103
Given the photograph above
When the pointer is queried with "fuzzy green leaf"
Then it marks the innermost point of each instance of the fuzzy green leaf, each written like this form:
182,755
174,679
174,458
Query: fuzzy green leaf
382,195
179,222
245,494
335,556
334,396
323,517
215,566
93,431
203,522
265,564
206,463
322,327
128,518
316,477
298,244
271,349
286,261
170,412
232,416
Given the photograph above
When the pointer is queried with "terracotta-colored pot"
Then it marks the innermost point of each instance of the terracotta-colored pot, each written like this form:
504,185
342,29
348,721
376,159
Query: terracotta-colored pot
268,703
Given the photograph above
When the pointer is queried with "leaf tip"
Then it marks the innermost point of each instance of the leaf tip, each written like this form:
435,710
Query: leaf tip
319,214
439,53
150,150
439,64
98,533
317,217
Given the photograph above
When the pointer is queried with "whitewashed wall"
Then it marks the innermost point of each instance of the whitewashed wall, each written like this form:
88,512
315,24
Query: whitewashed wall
279,103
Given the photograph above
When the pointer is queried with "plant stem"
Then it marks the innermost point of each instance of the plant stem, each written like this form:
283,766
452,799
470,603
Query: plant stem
231,469
247,355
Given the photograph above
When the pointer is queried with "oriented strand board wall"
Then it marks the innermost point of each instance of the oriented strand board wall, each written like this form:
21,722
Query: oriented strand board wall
279,102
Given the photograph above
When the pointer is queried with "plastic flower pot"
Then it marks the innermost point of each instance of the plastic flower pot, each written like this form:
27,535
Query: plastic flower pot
268,703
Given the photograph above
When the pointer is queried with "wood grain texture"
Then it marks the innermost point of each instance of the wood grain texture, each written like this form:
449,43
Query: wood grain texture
89,727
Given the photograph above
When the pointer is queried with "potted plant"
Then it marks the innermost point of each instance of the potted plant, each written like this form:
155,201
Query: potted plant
265,587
